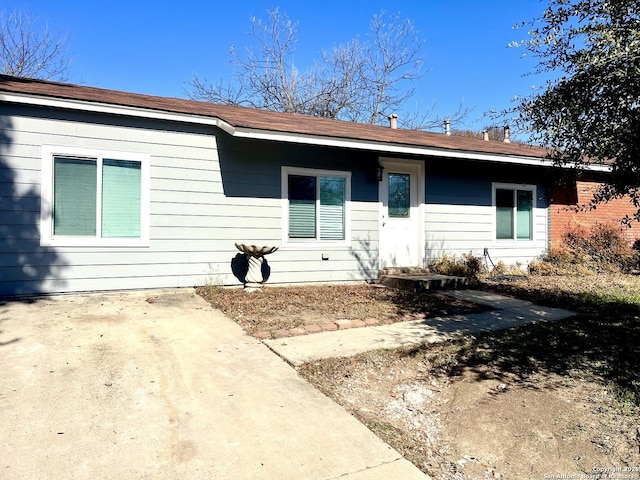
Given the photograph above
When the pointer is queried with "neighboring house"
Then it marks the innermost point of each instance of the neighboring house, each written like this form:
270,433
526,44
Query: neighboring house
570,208
103,190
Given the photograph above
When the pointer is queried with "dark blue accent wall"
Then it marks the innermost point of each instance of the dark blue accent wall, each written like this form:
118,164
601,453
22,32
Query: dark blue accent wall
462,182
252,168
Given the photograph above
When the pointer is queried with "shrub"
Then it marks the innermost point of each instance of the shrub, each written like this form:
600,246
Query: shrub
474,266
470,266
540,267
447,265
500,268
600,249
503,269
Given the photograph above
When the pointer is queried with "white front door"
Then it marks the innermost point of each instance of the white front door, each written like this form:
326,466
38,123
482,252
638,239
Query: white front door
401,232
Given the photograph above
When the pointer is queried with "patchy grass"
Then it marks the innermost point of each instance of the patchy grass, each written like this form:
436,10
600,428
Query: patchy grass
276,308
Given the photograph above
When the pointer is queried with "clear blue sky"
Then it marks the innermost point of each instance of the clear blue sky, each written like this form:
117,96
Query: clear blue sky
154,47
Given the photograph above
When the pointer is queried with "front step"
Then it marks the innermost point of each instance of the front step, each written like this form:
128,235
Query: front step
420,282
403,271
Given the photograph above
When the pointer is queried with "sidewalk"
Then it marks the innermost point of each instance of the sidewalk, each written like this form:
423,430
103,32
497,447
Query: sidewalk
508,312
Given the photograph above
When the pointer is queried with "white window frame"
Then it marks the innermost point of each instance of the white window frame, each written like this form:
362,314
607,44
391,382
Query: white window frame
309,243
47,238
534,210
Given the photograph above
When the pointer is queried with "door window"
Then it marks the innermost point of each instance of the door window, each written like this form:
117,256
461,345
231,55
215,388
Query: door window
399,195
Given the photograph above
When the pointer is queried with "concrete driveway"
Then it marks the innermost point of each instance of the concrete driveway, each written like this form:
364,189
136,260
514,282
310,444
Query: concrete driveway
158,385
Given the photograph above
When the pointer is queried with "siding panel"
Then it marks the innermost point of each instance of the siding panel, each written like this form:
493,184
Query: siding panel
459,216
207,191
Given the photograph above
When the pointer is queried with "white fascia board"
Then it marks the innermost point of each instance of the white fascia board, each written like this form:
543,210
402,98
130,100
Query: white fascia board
285,137
70,104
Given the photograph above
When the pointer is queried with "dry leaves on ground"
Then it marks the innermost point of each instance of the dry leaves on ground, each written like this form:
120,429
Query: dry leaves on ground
276,308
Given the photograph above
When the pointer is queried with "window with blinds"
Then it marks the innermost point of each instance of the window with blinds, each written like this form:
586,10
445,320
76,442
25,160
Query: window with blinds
121,184
316,205
94,198
302,206
74,196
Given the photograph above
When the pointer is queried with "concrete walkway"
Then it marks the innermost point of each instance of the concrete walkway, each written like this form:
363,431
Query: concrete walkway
158,385
508,312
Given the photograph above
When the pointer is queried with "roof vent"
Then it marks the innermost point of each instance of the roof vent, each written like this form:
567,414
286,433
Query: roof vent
393,121
507,134
485,135
447,127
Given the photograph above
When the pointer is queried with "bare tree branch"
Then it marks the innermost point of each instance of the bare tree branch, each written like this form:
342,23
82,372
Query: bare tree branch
426,118
394,58
26,51
361,81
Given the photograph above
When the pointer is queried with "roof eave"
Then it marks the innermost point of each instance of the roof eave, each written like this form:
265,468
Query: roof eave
385,147
274,135
121,110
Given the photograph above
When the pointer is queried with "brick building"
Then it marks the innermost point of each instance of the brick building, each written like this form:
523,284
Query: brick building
569,209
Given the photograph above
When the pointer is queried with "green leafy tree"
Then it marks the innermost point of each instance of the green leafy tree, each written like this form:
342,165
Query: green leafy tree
589,112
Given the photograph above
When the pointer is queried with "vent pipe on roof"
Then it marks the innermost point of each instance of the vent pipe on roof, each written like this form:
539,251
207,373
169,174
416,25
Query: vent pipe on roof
507,133
447,127
393,121
485,135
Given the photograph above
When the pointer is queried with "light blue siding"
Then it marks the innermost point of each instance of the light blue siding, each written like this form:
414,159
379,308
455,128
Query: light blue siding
459,214
207,191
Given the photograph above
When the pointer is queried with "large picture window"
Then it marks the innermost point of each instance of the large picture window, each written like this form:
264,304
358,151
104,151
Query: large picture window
316,205
94,198
514,209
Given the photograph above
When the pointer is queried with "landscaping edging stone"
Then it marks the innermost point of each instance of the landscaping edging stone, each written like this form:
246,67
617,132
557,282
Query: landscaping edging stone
341,324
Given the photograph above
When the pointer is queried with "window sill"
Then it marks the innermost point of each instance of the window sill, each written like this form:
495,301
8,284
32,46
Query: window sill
315,245
510,241
93,242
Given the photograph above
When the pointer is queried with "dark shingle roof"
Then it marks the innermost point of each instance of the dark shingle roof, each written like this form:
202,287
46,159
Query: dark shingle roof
254,119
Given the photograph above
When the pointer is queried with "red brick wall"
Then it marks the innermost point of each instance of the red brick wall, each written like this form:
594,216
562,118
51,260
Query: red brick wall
565,212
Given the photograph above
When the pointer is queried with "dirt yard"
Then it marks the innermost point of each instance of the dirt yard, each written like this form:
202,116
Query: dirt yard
542,401
480,423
